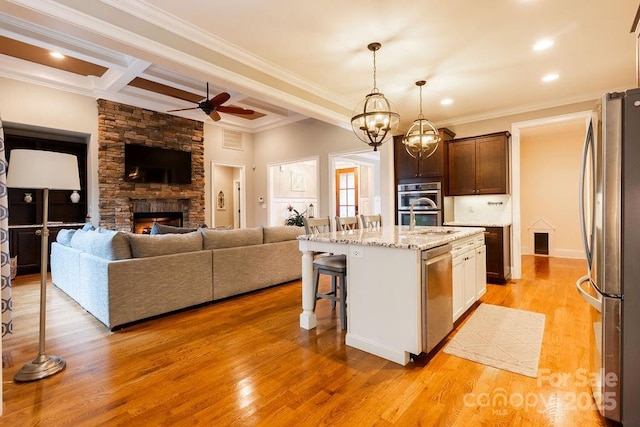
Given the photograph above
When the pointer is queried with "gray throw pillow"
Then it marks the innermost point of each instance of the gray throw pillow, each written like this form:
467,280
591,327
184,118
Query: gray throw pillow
169,229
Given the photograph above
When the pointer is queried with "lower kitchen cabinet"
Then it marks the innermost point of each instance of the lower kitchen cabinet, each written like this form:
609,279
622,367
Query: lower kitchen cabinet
498,241
465,275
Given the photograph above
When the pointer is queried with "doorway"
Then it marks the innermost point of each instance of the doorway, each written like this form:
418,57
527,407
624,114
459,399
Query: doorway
228,196
362,195
292,187
519,129
347,191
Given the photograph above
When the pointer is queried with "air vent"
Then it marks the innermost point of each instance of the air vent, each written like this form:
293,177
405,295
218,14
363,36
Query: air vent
232,139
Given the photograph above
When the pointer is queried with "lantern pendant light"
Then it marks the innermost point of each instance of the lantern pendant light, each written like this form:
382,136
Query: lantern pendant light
422,138
374,120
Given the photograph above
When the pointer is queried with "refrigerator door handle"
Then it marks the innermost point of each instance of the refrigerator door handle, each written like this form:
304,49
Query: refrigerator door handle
593,301
583,176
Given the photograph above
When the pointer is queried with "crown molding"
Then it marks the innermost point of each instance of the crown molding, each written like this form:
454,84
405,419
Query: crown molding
524,109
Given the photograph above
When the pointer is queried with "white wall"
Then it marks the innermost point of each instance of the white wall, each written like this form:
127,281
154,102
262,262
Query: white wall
309,138
24,104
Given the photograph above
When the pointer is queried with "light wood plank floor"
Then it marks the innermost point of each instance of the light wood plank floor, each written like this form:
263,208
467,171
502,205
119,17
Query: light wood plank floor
246,361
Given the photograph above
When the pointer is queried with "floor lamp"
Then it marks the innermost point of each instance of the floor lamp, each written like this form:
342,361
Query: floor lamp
37,169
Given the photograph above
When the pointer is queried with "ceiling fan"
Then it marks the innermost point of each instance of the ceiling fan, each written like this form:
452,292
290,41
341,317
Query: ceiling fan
212,106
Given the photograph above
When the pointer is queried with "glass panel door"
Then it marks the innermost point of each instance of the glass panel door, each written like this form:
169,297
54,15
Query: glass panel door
347,192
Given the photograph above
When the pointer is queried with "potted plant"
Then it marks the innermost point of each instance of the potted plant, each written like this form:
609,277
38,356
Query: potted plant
295,217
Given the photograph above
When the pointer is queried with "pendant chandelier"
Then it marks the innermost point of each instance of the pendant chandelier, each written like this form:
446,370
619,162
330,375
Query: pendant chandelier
422,138
374,121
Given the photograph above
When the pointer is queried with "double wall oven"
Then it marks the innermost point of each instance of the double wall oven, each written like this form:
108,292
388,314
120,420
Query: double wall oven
424,213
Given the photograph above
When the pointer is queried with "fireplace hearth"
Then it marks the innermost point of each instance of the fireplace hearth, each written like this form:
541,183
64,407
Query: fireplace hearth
143,221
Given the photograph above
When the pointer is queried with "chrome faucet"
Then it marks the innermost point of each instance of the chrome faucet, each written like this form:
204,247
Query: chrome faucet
412,216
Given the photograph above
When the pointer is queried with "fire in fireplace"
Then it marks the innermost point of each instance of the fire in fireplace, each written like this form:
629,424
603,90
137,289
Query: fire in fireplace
143,221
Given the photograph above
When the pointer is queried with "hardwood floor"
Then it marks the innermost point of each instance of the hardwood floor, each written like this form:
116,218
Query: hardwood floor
246,361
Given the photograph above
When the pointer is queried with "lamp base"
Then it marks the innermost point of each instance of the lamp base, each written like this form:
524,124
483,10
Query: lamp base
39,368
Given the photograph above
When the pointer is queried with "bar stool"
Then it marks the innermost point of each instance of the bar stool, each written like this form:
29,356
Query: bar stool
344,223
371,221
332,265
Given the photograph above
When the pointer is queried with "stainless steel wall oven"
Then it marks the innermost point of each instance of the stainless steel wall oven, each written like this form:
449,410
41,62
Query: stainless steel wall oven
424,214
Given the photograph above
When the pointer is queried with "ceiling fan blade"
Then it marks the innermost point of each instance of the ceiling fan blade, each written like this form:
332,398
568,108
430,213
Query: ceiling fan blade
234,110
215,116
220,98
183,109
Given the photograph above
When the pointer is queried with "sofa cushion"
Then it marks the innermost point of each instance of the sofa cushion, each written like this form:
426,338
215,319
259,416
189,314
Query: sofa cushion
281,233
64,236
220,239
108,244
146,245
169,229
88,227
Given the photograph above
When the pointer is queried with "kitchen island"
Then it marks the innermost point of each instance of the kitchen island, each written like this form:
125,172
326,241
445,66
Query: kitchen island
384,283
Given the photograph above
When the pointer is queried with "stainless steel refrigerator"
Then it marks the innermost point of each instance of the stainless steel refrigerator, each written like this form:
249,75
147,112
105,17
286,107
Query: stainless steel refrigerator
610,220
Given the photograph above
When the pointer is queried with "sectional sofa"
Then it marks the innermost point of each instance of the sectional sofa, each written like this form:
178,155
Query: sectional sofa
122,278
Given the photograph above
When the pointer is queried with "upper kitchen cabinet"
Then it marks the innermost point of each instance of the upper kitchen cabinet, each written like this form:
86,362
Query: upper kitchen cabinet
479,165
409,169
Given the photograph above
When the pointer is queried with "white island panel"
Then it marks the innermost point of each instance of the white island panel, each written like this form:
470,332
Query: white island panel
384,301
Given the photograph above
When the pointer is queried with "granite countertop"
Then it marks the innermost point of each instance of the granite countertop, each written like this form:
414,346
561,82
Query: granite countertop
50,224
478,223
400,237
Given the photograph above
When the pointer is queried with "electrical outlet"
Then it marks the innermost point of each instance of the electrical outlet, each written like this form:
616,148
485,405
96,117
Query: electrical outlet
356,253
470,209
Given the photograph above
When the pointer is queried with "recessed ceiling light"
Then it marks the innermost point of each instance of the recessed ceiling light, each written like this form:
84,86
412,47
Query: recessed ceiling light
543,44
56,55
550,77
446,101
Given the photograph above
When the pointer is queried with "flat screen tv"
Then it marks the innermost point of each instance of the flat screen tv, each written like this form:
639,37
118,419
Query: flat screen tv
156,165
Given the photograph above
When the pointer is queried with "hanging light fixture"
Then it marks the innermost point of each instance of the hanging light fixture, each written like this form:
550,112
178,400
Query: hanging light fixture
374,121
422,138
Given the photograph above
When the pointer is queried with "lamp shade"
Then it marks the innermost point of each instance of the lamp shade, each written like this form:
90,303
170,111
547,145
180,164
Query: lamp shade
43,169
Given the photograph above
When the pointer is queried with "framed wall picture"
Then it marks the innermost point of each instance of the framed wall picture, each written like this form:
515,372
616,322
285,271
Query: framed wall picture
221,204
297,181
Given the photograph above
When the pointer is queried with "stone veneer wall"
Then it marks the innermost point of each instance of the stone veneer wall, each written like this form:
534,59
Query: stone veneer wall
119,124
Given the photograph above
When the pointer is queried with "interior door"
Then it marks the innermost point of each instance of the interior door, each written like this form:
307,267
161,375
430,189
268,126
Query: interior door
347,192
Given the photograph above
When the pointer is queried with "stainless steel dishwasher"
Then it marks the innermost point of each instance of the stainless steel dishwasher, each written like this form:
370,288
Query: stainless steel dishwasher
437,296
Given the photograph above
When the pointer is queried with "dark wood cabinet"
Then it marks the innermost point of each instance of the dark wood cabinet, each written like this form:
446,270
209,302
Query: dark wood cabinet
478,165
25,217
433,168
25,243
498,242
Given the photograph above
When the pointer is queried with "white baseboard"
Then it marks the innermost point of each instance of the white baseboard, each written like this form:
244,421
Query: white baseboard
560,253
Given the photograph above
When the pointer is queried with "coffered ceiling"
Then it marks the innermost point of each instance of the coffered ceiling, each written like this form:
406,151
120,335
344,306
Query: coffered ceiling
290,59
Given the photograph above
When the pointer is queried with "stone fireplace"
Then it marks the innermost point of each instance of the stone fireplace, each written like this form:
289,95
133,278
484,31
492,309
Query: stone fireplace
120,124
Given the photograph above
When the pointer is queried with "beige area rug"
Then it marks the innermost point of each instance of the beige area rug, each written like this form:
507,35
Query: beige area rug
502,337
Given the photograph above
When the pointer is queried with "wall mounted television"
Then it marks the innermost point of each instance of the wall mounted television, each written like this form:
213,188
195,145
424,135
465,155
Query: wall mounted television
156,165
